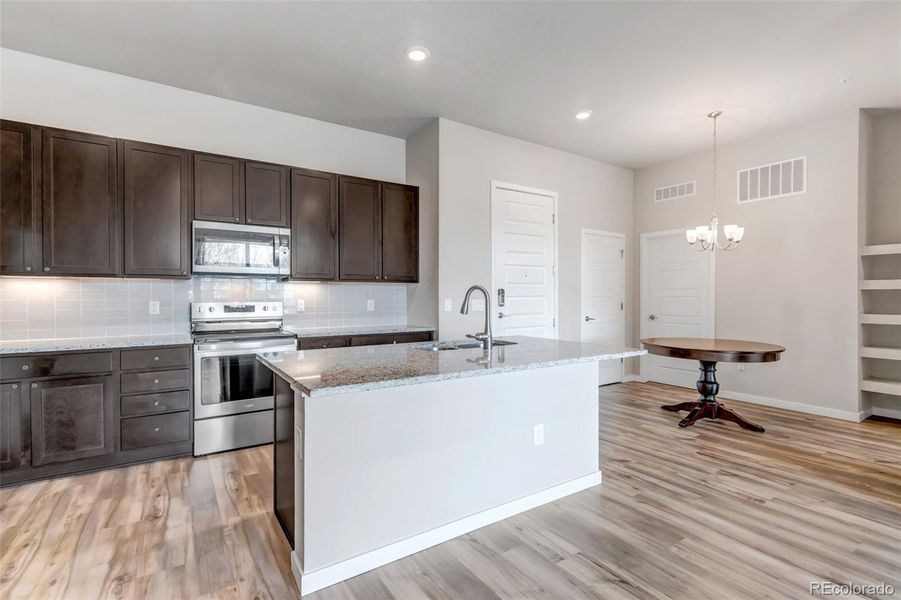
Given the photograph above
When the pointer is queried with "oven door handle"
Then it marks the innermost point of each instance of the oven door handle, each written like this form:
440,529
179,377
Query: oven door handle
200,353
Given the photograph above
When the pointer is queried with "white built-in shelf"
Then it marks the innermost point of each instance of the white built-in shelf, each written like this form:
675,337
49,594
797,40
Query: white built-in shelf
880,319
880,249
881,352
881,386
880,284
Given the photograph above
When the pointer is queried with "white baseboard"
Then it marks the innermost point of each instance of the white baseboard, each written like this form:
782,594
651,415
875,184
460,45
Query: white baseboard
845,415
326,576
877,411
636,378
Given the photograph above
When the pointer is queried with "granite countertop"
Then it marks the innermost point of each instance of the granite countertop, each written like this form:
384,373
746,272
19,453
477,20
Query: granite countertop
96,343
363,330
343,370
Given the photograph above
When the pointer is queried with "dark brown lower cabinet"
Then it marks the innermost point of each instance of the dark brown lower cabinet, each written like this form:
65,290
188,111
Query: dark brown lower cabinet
72,419
283,457
12,446
371,339
64,413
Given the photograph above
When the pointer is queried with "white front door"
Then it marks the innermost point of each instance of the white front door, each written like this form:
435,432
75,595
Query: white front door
603,297
523,261
676,301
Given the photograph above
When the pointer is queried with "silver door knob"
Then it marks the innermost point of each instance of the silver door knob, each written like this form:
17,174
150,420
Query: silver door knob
501,315
652,317
28,269
156,381
587,318
156,358
46,269
156,428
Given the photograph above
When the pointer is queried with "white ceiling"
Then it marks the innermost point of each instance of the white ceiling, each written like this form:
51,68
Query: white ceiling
649,71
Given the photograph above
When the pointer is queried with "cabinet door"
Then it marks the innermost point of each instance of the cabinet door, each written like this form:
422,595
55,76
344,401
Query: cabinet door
314,220
156,210
217,189
81,204
359,222
266,194
20,210
12,446
72,418
400,232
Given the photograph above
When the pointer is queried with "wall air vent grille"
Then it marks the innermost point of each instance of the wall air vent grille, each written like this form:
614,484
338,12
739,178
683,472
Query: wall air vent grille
784,178
672,192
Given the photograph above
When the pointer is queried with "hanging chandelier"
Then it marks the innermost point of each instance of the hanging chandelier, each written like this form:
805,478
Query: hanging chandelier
707,237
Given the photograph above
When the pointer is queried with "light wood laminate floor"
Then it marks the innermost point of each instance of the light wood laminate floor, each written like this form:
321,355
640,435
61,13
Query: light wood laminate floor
711,511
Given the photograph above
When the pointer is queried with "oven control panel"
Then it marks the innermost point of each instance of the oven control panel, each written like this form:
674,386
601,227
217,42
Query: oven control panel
235,310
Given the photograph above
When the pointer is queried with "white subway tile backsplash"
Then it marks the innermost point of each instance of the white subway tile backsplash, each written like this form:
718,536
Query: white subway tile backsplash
42,308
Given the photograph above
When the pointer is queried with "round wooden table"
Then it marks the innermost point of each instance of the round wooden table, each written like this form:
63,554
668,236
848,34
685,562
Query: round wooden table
708,352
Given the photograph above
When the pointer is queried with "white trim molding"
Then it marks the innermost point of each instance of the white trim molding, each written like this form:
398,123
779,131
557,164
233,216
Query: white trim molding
332,574
811,409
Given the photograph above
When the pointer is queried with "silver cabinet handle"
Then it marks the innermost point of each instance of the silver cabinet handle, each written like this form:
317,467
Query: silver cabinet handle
157,428
156,358
156,402
46,269
15,386
156,381
24,367
34,386
28,269
652,317
587,318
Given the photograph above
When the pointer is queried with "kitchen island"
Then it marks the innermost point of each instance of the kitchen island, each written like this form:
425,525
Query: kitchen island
383,451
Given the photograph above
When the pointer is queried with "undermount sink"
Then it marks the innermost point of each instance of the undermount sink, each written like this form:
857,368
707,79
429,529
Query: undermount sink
439,346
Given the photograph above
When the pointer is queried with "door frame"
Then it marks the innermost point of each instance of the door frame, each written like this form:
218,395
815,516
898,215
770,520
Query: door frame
513,187
615,234
643,286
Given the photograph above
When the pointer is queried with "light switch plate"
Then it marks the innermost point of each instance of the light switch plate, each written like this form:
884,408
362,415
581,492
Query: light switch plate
153,307
741,366
300,305
538,434
370,305
448,305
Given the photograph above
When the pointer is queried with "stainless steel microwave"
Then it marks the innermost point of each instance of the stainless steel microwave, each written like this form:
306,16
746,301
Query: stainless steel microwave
228,249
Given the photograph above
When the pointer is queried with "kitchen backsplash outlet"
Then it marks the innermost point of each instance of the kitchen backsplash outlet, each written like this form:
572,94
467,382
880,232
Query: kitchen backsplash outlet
44,308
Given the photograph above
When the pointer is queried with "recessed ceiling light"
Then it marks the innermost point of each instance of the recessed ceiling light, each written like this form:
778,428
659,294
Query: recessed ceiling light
846,79
583,114
417,53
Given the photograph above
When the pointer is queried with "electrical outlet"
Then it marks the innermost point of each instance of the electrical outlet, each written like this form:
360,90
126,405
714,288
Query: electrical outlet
741,366
300,305
448,306
538,434
153,307
478,305
370,305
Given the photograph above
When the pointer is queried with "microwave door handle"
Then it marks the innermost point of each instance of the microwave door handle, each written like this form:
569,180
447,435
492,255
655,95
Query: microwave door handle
276,259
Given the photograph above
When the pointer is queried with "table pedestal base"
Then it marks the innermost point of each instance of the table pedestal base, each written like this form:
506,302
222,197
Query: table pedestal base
707,407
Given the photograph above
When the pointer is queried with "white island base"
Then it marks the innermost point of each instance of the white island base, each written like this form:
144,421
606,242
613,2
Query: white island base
383,473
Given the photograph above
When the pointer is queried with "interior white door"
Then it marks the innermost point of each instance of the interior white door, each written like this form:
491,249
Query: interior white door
677,301
603,297
524,258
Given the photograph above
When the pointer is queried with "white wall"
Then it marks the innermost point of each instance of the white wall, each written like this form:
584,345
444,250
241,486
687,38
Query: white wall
591,194
49,92
793,281
422,170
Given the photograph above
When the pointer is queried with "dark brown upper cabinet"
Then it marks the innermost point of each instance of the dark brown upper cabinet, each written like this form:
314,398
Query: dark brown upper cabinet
218,194
20,207
81,204
72,418
156,210
359,229
314,223
266,194
400,232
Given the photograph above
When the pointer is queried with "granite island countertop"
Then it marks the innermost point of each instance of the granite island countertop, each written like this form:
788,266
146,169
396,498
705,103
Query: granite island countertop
308,332
356,369
91,343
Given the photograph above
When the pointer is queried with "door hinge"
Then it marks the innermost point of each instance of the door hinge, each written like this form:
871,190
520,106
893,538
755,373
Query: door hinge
554,218
622,253
554,270
555,321
621,306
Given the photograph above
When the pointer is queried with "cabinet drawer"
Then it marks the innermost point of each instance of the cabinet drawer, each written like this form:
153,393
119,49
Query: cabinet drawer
391,338
323,342
143,432
48,365
151,404
136,383
156,358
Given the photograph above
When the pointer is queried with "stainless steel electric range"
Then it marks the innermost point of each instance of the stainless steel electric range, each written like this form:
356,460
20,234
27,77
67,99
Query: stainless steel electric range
232,391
